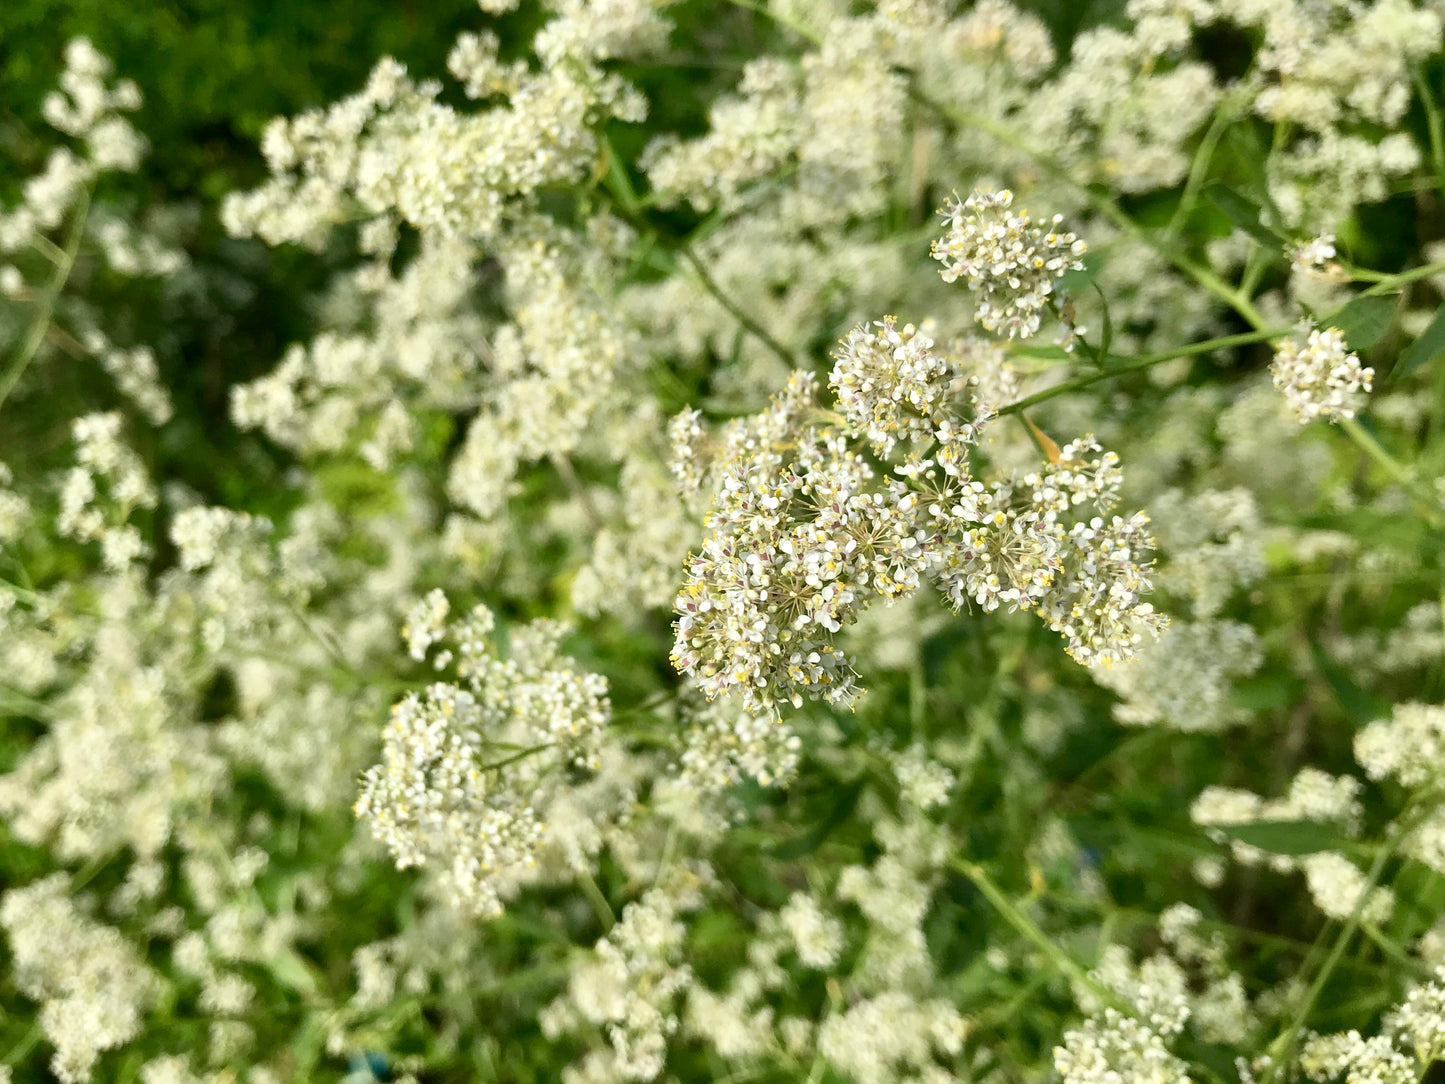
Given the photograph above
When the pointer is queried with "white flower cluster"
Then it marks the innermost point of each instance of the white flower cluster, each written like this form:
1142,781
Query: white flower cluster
1125,109
725,745
1409,747
749,137
118,766
1321,378
87,109
1185,679
1412,1037
634,563
1189,985
1316,258
1334,63
1214,543
894,894
1009,263
466,769
94,986
803,540
1117,1049
100,493
631,985
880,1039
891,386
395,146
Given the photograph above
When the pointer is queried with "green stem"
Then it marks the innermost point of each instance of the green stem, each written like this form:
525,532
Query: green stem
23,1047
737,311
1031,932
1282,1049
792,24
1399,956
1435,125
1199,169
523,755
1144,361
1389,283
45,309
1392,466
600,906
564,468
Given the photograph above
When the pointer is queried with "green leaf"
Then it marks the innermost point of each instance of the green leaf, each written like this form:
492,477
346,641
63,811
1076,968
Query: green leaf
1364,319
1267,692
803,845
1245,214
1041,351
1284,837
1426,348
1108,334
1359,705
1076,283
291,970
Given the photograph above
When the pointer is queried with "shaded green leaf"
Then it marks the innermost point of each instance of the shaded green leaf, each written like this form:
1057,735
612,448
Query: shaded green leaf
1429,346
1267,692
1285,837
1245,214
1364,319
805,844
1359,706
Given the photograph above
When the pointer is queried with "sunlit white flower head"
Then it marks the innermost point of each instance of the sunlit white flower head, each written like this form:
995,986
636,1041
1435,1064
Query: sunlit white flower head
1321,378
890,384
1010,263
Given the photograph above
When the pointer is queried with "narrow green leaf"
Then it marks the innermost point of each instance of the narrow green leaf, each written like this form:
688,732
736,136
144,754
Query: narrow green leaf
1364,319
1285,837
1245,214
1075,283
1429,346
1267,692
805,844
1359,705
1108,334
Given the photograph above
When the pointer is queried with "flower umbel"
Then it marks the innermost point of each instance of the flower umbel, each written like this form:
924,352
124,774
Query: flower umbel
1010,263
1322,378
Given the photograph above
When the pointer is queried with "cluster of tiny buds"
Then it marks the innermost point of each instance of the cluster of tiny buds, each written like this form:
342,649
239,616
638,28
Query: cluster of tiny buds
1316,258
1321,378
891,385
804,537
1010,263
467,769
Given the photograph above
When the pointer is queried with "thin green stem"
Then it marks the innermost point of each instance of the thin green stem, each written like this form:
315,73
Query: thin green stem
797,27
23,1047
1397,955
48,248
1367,443
1282,1048
522,755
1144,361
1031,932
564,468
1390,283
1199,169
737,311
600,907
1435,124
45,307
